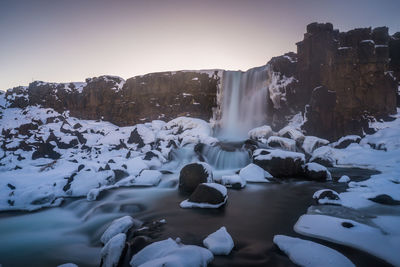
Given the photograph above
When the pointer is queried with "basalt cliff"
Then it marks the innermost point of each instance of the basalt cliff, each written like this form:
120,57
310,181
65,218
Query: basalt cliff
338,81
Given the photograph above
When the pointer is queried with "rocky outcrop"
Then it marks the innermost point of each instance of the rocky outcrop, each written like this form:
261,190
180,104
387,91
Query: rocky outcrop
353,70
165,96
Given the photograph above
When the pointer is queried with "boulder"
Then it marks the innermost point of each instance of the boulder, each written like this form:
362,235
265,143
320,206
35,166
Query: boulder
345,141
327,196
232,181
194,174
254,174
280,163
311,143
206,195
316,172
282,143
385,200
219,242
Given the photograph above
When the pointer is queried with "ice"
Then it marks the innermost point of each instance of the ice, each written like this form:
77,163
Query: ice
169,253
219,242
254,174
112,251
117,226
292,132
353,234
307,253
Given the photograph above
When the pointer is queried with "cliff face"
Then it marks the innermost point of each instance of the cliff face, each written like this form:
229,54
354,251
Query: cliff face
139,99
338,80
343,78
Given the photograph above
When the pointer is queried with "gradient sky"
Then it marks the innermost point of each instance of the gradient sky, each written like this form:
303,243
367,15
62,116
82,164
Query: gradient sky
62,41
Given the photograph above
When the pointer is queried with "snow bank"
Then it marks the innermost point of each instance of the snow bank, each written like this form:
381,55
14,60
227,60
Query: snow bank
351,233
171,253
310,254
219,242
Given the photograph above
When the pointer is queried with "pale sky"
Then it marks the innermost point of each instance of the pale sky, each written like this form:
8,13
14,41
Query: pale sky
62,41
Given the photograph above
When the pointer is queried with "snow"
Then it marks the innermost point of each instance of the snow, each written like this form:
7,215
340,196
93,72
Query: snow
117,226
112,251
276,153
208,170
293,132
171,253
219,242
229,180
148,178
368,41
311,143
68,265
344,179
260,133
351,138
359,236
277,88
284,143
254,174
306,253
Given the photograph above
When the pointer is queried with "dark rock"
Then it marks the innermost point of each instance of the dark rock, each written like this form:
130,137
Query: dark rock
385,200
149,155
320,174
327,196
77,126
135,138
120,174
206,194
11,186
45,150
347,224
280,166
192,175
80,167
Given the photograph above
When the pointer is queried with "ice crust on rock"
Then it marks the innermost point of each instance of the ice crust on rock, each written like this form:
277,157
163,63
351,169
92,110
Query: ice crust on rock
307,253
112,251
219,242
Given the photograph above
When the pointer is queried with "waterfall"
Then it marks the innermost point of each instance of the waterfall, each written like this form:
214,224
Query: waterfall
244,102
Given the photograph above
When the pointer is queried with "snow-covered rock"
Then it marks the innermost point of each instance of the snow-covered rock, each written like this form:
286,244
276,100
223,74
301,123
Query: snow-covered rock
171,253
279,163
261,133
254,174
219,242
311,143
206,195
292,133
234,181
327,196
345,141
111,252
316,172
344,179
120,225
310,254
282,142
194,174
148,178
351,233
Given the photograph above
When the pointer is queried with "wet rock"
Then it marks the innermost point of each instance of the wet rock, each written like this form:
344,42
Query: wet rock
80,167
194,174
45,150
347,224
135,138
385,200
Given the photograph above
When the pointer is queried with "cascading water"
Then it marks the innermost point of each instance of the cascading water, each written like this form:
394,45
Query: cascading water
244,102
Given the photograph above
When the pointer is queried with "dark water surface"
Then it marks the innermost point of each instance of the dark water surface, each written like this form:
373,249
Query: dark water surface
252,216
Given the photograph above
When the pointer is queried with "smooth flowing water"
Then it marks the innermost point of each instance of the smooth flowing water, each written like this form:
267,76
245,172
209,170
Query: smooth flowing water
253,215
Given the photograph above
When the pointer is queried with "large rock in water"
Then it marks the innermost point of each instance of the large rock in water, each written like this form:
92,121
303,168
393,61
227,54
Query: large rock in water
206,195
316,172
194,174
280,163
